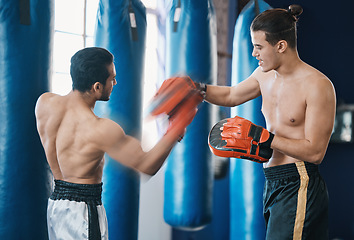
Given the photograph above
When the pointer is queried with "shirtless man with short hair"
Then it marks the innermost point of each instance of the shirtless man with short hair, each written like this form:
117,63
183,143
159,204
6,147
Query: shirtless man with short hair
75,141
299,107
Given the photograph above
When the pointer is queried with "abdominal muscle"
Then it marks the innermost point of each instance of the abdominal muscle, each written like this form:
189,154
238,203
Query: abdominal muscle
287,119
279,158
291,132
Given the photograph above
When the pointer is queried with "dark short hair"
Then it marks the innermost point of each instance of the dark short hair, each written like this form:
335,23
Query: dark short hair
278,24
88,66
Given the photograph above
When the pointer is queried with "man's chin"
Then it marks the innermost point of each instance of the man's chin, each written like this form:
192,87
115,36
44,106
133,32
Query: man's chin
265,69
104,99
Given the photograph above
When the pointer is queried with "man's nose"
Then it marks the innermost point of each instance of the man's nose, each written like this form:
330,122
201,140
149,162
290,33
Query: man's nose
254,54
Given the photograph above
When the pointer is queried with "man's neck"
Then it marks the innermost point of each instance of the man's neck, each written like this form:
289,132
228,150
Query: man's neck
290,64
83,97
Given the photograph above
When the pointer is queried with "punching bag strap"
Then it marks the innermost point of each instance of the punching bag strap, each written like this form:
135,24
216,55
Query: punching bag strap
176,16
25,16
133,25
256,8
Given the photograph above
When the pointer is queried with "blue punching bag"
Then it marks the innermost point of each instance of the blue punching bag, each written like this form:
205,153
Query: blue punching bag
191,50
121,28
25,57
246,177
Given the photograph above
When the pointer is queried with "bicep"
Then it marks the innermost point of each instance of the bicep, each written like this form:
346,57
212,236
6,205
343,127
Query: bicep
235,95
121,147
245,91
320,114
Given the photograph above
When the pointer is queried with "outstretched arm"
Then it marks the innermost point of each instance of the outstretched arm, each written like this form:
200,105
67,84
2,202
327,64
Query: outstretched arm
128,151
233,96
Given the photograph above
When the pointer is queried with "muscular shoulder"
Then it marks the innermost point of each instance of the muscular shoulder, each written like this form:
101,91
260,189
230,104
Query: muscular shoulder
107,125
46,96
317,83
108,132
45,103
46,99
319,88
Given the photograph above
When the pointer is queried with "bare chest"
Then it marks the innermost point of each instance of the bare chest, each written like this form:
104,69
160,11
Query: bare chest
284,104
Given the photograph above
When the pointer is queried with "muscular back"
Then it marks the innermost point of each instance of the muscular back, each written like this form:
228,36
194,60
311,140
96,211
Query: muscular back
68,133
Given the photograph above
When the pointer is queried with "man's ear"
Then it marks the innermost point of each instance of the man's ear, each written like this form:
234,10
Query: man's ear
282,45
97,87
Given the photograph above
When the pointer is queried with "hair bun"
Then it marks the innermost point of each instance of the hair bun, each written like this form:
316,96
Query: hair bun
295,10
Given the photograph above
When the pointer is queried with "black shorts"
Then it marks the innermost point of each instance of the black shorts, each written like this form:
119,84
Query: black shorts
295,202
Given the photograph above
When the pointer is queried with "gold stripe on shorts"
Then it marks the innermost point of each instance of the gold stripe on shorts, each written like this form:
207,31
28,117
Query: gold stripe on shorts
301,201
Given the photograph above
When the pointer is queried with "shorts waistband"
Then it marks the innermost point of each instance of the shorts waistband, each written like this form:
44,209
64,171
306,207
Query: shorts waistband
289,170
89,193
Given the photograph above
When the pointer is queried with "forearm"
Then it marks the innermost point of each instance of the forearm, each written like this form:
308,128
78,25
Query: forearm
155,157
218,95
235,95
128,151
301,149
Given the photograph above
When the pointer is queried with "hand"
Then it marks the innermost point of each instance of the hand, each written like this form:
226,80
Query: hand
177,97
179,121
172,93
202,88
240,138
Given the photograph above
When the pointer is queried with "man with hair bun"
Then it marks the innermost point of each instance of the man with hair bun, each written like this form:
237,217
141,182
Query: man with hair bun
299,107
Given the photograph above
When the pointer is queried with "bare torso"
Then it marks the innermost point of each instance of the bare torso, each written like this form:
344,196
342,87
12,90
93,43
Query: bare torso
285,104
67,131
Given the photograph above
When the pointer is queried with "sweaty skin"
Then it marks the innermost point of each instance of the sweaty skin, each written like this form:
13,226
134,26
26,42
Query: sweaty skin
298,102
75,139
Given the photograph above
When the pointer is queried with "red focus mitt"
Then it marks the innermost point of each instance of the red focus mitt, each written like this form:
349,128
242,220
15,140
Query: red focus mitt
181,119
172,93
239,138
177,97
